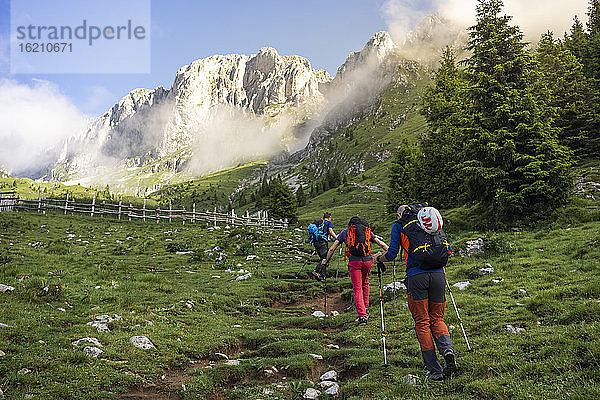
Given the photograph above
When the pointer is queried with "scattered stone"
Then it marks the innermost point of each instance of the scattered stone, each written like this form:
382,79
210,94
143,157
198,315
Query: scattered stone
61,309
243,277
3,325
101,322
316,356
329,376
183,252
333,390
462,285
326,384
311,393
390,288
410,379
91,340
267,391
92,351
523,291
6,288
222,356
216,276
142,342
1,393
24,371
237,326
251,257
487,269
318,314
268,373
334,313
514,329
2,354
451,327
498,280
472,247
405,305
333,346
232,362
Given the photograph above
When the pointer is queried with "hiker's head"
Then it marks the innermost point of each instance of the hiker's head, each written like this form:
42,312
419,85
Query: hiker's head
327,216
401,210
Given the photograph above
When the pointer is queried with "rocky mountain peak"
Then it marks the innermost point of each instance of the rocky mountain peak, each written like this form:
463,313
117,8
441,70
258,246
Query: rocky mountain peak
431,35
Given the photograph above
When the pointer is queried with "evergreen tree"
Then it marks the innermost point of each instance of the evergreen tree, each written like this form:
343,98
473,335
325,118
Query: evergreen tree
576,40
564,88
282,203
400,190
436,163
512,162
300,197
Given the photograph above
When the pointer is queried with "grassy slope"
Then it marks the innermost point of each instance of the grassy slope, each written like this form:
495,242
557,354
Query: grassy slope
551,288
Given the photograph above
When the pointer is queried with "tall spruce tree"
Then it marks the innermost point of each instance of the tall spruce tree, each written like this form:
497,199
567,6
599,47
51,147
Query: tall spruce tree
512,163
282,202
401,184
564,87
437,180
300,196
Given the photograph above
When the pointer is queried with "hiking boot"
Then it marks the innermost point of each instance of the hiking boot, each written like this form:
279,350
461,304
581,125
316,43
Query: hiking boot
362,321
435,376
316,275
449,362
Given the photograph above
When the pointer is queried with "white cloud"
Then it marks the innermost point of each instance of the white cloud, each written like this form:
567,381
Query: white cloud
99,99
33,117
533,16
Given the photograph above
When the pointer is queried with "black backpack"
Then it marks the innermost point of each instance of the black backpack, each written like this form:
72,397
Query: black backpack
427,251
359,233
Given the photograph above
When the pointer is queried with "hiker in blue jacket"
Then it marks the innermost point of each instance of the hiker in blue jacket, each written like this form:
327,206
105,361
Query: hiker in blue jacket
324,232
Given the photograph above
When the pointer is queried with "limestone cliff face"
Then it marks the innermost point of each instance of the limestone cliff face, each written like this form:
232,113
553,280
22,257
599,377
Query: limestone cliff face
146,125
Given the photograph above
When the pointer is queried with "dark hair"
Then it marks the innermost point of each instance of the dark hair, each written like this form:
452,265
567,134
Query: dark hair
326,215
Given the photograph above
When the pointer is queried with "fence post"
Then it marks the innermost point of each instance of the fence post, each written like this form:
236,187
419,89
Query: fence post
215,215
193,213
129,211
93,204
66,202
157,215
120,204
183,215
144,209
170,208
40,200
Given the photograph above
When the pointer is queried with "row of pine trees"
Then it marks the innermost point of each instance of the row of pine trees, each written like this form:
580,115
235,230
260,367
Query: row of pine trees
507,123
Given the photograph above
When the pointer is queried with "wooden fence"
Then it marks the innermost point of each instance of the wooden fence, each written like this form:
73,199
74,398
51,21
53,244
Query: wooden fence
129,212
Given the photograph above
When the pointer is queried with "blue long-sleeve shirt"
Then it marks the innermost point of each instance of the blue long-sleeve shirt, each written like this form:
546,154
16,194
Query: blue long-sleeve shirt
399,240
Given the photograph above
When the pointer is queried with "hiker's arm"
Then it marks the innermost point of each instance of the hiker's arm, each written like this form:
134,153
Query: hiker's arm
330,252
332,233
381,243
392,250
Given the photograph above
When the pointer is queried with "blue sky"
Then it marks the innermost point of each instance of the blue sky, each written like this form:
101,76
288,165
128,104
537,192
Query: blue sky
324,31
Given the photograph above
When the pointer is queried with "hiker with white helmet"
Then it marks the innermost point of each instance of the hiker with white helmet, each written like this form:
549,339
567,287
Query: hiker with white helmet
418,232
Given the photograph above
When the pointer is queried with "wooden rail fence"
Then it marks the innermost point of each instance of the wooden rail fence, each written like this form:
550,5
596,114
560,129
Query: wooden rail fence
9,201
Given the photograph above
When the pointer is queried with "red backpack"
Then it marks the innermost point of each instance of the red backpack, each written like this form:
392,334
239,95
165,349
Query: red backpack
359,235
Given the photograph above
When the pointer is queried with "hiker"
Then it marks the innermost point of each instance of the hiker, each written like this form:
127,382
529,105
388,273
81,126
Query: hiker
318,234
418,232
357,237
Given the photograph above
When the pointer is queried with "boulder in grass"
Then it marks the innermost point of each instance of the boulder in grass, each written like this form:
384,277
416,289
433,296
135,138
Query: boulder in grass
142,342
316,356
472,247
326,384
6,288
92,351
311,393
318,314
329,376
487,269
462,285
514,329
2,354
91,340
333,390
410,379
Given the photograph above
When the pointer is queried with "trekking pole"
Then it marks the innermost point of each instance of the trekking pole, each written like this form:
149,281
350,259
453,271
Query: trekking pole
457,314
325,305
381,267
338,264
394,288
300,270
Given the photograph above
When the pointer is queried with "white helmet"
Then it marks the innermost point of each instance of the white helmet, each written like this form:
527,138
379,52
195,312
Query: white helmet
430,220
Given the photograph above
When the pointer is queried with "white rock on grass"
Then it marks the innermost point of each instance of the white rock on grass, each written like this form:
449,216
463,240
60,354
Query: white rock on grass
91,340
318,314
390,288
1,393
92,351
24,371
232,362
222,356
333,390
316,356
311,393
101,322
142,342
472,247
487,269
6,288
410,379
462,285
326,384
329,376
334,313
3,325
251,257
498,280
2,354
513,329
333,346
243,277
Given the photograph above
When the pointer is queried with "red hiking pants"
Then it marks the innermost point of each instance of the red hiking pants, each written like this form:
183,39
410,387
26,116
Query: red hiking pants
359,274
